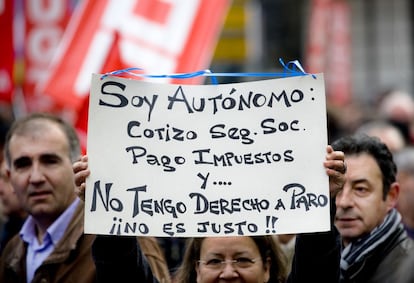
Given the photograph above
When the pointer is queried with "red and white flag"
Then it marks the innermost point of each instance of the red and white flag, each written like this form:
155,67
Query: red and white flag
159,36
44,24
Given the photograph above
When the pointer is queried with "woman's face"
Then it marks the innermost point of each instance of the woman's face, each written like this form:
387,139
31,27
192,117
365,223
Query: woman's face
235,259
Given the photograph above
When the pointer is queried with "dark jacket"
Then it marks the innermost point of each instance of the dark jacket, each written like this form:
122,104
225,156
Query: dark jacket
406,271
317,255
11,227
383,264
316,259
70,262
126,256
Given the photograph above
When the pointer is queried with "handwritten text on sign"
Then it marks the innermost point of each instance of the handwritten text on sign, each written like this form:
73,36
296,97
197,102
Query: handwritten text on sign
197,160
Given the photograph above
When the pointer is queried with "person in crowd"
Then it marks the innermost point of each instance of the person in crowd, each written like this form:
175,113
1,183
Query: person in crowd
373,237
250,259
405,164
387,132
51,246
12,209
404,160
12,212
397,107
4,127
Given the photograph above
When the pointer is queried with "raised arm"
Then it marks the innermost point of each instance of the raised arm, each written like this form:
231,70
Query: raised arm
122,259
335,168
317,255
81,171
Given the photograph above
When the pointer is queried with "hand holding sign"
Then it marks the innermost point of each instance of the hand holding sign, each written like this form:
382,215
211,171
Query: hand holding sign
189,160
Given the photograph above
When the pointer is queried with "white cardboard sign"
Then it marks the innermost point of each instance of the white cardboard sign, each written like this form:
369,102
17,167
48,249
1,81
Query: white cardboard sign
207,160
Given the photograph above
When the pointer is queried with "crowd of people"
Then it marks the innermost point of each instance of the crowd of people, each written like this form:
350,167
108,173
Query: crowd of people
371,172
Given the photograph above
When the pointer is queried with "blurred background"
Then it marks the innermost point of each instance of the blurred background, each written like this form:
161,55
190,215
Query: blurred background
363,47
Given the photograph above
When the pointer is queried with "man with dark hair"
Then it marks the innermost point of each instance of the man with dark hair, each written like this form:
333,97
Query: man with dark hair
39,151
374,240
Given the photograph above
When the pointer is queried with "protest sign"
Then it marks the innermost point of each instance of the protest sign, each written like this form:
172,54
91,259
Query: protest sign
198,160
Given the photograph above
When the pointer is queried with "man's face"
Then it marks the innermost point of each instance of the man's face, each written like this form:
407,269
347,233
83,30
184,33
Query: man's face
360,206
41,171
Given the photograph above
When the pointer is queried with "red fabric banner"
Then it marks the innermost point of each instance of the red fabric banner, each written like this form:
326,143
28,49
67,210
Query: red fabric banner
45,23
317,36
338,68
6,51
158,36
329,47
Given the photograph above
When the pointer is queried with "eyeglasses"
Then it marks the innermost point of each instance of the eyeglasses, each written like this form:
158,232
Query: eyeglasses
219,264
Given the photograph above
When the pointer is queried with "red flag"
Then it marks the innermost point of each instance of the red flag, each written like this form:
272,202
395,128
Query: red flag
329,48
6,51
338,68
45,22
317,36
81,123
158,36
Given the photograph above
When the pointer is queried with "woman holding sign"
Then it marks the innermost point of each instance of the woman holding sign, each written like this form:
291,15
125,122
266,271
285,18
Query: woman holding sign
255,259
